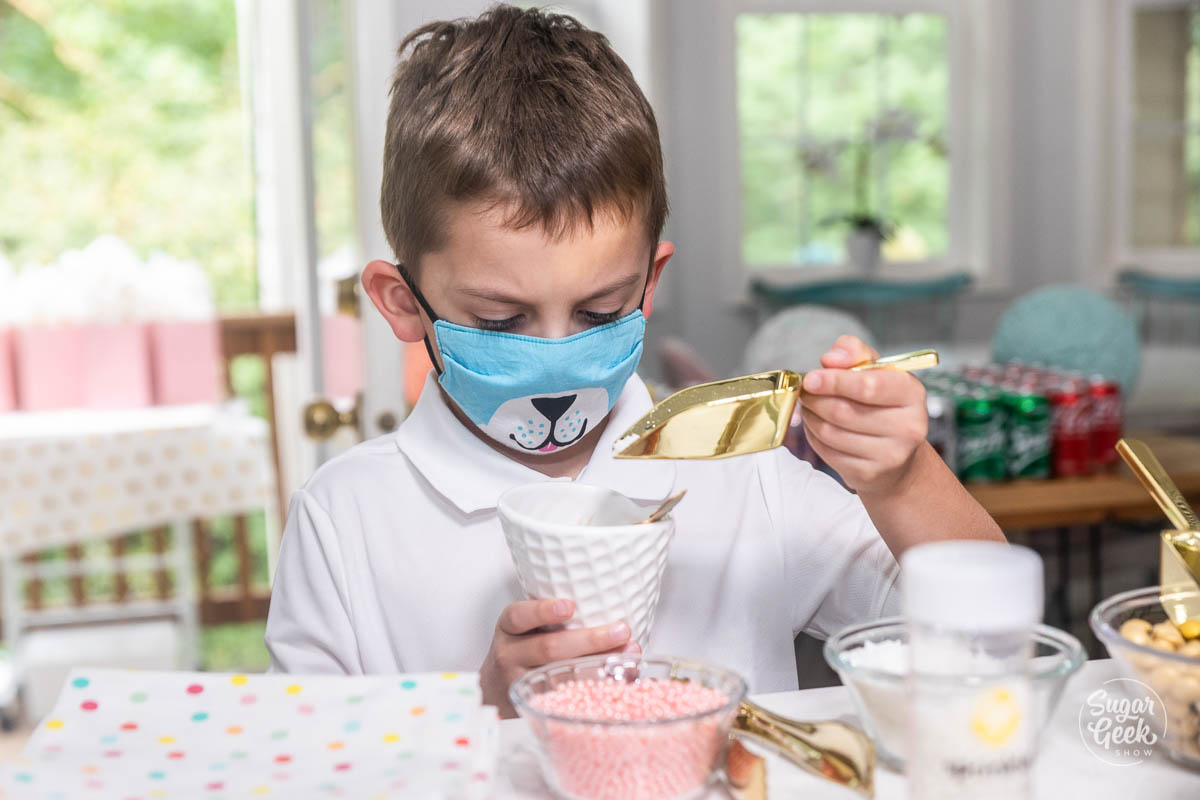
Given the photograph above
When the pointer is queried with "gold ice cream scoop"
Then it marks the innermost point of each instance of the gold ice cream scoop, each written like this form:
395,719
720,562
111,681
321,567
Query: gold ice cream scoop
830,749
1179,563
734,416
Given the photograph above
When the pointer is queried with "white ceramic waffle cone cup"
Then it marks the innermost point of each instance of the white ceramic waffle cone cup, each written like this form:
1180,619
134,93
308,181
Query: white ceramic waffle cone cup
582,542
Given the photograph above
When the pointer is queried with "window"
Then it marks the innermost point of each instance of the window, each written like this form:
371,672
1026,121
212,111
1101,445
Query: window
844,114
1160,189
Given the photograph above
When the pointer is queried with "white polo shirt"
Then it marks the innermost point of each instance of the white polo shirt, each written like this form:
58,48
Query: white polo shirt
393,559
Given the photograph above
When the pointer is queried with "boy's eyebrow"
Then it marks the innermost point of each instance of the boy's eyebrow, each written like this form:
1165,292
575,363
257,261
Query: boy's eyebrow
500,297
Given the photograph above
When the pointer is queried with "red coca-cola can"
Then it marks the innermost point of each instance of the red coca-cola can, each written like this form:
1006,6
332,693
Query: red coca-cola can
1107,420
1071,415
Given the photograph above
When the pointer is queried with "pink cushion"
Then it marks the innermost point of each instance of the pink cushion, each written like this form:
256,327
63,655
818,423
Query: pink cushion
186,362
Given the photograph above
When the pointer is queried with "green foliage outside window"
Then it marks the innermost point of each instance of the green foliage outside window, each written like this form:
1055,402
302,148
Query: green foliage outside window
841,114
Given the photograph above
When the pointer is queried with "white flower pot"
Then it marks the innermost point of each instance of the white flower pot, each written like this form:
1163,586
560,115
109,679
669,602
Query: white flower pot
862,250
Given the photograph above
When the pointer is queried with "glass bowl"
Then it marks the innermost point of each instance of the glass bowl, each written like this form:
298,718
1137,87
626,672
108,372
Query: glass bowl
647,759
879,694
1174,677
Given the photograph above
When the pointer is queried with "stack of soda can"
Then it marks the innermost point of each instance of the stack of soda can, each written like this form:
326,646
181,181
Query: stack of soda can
999,421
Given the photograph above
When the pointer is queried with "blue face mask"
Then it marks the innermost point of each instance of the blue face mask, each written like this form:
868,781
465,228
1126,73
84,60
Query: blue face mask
535,395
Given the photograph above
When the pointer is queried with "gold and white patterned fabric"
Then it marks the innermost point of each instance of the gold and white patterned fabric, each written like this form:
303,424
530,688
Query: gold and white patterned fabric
70,476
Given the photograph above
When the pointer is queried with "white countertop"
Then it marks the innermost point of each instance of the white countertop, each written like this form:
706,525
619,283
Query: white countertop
1065,769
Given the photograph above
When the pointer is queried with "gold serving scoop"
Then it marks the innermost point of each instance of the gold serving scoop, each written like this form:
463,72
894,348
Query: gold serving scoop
734,416
1179,562
829,749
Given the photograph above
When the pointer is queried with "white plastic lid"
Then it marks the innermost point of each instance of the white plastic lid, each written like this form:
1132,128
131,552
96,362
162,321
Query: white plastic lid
972,585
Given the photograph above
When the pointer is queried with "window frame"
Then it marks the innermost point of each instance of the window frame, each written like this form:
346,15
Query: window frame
1180,261
970,151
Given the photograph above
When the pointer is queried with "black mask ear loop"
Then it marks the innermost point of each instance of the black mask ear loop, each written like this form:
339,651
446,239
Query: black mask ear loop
646,285
433,317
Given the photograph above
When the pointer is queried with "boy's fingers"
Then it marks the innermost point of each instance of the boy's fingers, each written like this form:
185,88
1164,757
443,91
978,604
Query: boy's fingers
871,387
846,352
861,418
524,616
542,648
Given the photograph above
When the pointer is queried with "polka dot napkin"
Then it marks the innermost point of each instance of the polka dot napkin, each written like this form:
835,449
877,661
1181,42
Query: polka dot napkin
130,734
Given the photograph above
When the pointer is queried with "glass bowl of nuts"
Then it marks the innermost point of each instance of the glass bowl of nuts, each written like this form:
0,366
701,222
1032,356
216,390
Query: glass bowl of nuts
1166,657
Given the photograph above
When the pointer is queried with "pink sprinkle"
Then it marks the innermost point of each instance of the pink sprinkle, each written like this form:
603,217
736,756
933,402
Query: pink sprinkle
89,705
248,699
342,767
618,762
305,709
195,688
214,786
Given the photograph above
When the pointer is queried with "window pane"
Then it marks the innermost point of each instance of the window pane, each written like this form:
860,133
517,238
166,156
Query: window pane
841,114
333,168
1165,178
126,118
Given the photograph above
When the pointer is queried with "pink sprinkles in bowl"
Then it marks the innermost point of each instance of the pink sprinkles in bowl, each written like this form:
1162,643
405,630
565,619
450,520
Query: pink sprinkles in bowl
667,749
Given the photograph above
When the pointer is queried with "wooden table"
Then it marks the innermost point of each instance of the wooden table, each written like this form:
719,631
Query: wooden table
1021,505
1056,505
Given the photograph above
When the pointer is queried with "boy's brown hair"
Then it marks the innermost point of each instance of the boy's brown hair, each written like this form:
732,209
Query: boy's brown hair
525,110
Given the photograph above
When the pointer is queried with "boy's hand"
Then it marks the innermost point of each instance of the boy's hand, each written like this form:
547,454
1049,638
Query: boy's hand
866,425
519,646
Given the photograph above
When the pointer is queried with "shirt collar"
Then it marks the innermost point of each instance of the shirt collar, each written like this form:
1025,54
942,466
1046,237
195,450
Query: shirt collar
472,475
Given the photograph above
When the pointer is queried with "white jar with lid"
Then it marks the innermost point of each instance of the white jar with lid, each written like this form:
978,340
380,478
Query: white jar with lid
971,608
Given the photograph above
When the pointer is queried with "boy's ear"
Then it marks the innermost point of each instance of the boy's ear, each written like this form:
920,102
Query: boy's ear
662,255
395,301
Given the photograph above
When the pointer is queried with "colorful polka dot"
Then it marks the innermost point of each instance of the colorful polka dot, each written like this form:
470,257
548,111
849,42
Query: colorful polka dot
336,745
277,735
54,724
283,759
462,741
166,740
217,766
391,737
351,726
408,684
449,676
80,683
200,716
138,697
90,770
129,726
215,786
417,711
450,765
249,699
234,730
112,753
305,709
175,754
238,754
108,739
260,790
238,680
24,777
157,775
94,784
195,688
342,767
158,793
453,716
355,698
89,705
466,690
293,689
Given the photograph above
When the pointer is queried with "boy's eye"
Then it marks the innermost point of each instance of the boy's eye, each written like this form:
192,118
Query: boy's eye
595,318
497,324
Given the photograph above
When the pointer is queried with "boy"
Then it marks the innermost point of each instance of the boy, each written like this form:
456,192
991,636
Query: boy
523,195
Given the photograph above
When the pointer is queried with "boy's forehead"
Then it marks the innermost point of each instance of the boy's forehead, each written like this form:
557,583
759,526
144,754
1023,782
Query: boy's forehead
479,244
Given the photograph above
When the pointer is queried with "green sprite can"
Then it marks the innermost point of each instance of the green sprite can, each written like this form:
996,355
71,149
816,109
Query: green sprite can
981,437
1029,434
